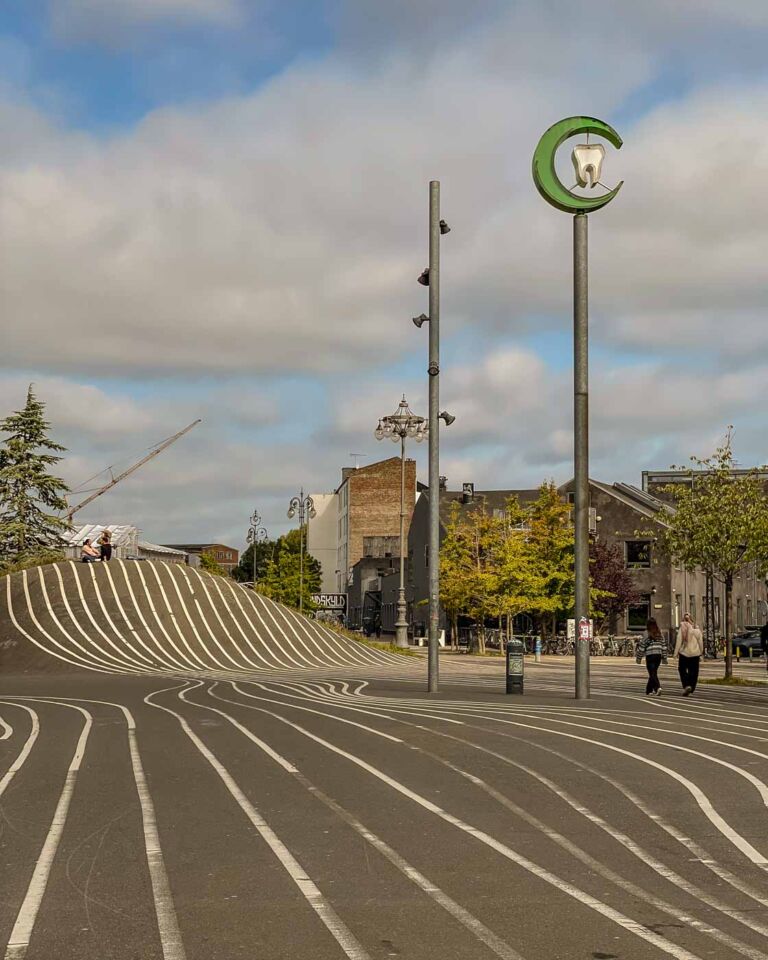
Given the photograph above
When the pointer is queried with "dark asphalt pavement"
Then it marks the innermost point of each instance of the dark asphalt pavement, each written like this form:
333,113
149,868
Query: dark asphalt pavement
346,814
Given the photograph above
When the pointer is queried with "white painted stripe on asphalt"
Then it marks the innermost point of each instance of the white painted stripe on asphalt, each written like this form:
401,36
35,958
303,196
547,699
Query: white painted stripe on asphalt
333,923
89,614
185,579
6,730
735,838
27,915
330,716
700,853
622,838
581,896
185,654
165,911
87,654
122,662
163,655
249,623
191,656
459,913
25,751
28,636
230,618
77,661
111,619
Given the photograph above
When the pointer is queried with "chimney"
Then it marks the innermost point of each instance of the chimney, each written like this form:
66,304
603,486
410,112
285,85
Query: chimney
467,492
442,485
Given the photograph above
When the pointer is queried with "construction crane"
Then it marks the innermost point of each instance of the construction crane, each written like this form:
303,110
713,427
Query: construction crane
126,473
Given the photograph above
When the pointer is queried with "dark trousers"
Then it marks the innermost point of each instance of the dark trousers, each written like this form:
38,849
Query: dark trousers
652,663
688,668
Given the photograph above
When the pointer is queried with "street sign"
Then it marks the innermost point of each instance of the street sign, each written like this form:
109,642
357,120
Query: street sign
330,601
571,629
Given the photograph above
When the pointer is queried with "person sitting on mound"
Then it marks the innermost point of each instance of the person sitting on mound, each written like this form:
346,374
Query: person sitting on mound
89,553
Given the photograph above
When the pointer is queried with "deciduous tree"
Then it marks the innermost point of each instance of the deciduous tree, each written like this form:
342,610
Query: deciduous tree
719,522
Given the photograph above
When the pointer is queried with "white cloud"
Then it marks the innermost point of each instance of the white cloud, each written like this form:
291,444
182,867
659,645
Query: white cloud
281,233
109,19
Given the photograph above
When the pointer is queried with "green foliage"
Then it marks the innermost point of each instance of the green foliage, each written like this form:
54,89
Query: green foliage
30,496
499,566
26,562
718,522
551,543
243,572
282,579
210,565
521,562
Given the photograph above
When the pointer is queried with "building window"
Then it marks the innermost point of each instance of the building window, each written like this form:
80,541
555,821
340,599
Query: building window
692,607
638,613
638,554
739,613
717,613
678,608
750,621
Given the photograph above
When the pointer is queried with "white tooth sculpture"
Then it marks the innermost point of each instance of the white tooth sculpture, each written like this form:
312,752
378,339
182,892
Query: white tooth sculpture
587,162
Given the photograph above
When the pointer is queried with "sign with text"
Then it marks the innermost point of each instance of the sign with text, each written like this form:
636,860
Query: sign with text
330,601
584,634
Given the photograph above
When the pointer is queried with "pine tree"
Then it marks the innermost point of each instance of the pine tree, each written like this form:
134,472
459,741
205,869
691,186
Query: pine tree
30,496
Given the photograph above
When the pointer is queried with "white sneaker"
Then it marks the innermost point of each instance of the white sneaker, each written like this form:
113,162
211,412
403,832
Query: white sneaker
658,692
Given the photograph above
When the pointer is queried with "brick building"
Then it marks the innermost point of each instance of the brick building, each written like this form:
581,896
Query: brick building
368,501
622,515
225,556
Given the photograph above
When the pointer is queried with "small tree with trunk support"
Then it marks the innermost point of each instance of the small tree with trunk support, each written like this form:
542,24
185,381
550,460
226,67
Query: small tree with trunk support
718,522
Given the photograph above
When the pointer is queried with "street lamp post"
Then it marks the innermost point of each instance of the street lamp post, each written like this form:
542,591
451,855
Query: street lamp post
587,161
431,278
256,534
305,507
397,426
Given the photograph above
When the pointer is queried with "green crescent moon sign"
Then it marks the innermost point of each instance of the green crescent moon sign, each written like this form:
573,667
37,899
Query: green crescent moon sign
546,179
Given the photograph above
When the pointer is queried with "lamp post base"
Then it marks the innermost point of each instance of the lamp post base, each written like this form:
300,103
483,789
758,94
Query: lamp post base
401,624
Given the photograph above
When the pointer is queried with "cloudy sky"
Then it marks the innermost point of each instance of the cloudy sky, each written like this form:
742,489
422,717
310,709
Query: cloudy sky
218,209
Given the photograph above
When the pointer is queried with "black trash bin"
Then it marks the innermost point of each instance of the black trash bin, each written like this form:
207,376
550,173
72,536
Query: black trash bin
515,666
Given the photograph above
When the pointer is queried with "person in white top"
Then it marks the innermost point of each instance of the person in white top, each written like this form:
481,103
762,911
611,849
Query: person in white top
689,650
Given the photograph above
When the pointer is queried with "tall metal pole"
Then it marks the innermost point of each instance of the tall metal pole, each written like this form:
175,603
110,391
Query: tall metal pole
301,553
401,624
433,668
581,445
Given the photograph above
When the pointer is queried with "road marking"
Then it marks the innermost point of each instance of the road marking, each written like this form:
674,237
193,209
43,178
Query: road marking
18,763
333,923
459,913
584,898
27,915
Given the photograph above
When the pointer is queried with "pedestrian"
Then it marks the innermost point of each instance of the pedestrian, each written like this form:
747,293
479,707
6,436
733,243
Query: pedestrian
653,647
105,545
689,650
88,553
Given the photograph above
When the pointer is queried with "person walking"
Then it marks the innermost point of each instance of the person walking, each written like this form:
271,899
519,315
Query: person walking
764,642
689,650
105,545
653,647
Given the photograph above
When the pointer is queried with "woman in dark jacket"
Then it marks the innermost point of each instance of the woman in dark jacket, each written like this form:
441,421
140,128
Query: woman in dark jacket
105,545
653,647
